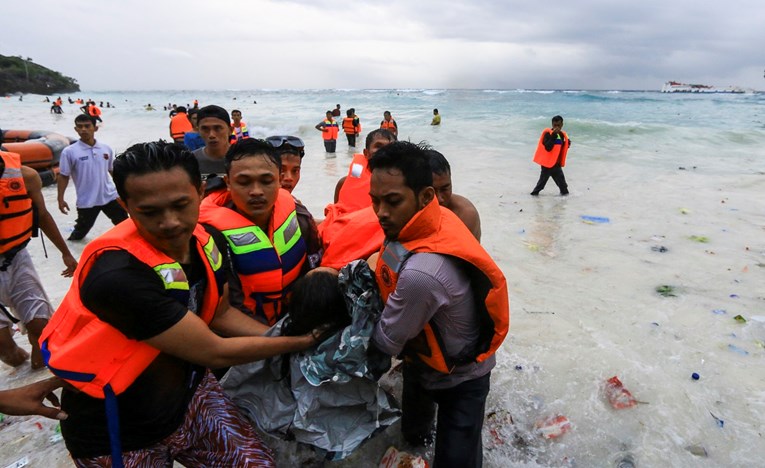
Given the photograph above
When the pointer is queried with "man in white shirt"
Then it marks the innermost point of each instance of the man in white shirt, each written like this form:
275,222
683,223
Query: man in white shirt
89,164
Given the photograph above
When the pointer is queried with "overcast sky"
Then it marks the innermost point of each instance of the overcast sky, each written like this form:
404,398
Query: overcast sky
580,44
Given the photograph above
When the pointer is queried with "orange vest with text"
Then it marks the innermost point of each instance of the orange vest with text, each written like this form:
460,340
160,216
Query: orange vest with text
557,153
16,216
92,355
435,229
267,263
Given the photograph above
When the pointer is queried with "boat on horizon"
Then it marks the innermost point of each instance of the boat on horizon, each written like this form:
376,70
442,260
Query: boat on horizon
677,87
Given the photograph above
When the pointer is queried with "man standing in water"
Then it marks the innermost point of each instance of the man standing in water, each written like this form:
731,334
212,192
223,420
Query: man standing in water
329,131
89,164
446,307
215,129
551,156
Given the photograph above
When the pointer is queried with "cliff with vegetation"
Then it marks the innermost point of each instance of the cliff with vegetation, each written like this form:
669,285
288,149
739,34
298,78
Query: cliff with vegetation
21,75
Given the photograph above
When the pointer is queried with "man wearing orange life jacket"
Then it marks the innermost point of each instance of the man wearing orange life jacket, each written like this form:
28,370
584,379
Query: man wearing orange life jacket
351,127
22,296
350,230
94,111
239,130
180,125
150,292
446,306
259,221
551,153
389,124
329,131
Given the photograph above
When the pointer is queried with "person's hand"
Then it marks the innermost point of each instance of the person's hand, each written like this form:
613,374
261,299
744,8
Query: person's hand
71,265
63,206
30,399
322,332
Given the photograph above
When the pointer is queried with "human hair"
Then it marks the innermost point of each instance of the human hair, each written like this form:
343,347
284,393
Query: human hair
557,118
154,156
180,109
315,300
85,118
409,158
251,147
386,113
435,111
193,111
213,111
329,113
438,163
235,110
379,133
349,113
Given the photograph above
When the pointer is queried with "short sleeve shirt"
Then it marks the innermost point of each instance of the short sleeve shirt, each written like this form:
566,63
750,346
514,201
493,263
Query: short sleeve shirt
89,167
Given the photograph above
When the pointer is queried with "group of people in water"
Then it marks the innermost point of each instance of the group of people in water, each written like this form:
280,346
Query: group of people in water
204,269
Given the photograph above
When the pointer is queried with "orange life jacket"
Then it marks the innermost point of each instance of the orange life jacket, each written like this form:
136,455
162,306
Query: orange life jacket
239,132
349,237
389,125
435,229
94,111
358,123
92,355
332,130
348,126
16,216
354,194
267,263
179,125
558,152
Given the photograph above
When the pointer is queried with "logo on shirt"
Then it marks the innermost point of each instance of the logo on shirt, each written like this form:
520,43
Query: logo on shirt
106,156
385,273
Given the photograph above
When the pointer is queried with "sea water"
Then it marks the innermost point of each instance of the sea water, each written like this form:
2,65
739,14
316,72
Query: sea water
666,190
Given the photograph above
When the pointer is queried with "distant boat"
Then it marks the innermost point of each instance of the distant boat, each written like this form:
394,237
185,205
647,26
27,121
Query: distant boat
677,87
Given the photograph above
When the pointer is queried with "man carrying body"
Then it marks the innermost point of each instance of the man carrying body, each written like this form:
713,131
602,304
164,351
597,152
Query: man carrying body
180,125
258,219
89,164
459,205
551,153
20,287
215,129
446,307
239,130
135,335
389,124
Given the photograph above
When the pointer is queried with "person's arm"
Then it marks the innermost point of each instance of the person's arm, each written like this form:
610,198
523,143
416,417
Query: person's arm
191,340
339,187
230,321
549,140
62,183
29,400
321,127
47,223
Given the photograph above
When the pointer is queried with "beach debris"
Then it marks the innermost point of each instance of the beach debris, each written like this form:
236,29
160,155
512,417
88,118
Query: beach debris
625,461
684,211
700,239
720,422
738,350
739,318
617,395
393,458
733,296
719,311
697,450
56,438
666,290
21,462
659,248
594,219
499,423
552,426
695,376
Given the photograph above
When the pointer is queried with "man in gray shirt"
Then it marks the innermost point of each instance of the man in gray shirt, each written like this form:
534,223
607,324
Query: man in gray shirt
446,306
215,129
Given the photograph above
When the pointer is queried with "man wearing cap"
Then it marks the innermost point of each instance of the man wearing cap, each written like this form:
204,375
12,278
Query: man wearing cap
215,129
292,149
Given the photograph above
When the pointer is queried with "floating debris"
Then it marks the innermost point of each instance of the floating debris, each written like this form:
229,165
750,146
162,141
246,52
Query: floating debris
739,318
594,219
697,450
720,422
617,395
553,426
719,311
659,248
666,290
701,239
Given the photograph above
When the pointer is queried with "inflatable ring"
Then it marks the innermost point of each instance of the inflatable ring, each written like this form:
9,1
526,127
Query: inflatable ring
39,150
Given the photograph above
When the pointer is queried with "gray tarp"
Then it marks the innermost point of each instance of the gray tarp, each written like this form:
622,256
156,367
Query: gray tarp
333,400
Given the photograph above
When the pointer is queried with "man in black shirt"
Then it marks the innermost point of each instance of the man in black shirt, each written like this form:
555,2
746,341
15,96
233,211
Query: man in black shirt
155,281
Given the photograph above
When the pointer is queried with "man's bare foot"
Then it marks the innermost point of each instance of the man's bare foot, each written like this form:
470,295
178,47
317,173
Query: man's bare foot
14,357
